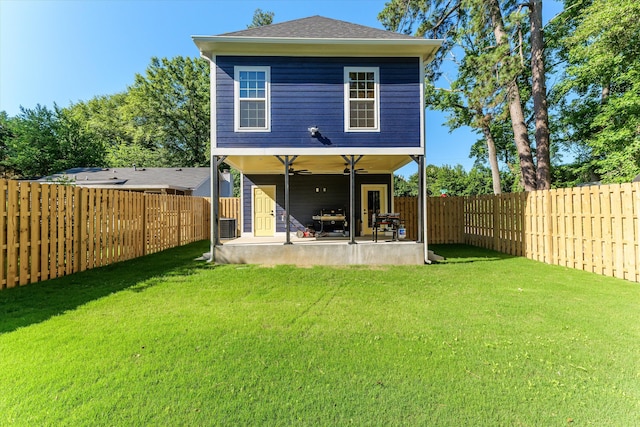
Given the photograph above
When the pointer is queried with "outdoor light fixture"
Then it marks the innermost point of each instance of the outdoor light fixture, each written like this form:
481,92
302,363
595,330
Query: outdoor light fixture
314,130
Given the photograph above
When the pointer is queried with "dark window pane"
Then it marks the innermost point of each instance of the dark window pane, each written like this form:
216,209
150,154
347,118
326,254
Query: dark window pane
252,114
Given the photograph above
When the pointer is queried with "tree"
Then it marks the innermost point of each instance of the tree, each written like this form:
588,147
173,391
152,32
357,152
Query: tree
599,95
44,141
5,135
261,18
539,94
516,112
77,145
455,181
112,123
482,30
31,150
403,187
169,107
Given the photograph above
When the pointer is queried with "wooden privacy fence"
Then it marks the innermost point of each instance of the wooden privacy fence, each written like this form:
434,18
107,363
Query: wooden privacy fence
407,207
230,208
593,228
48,231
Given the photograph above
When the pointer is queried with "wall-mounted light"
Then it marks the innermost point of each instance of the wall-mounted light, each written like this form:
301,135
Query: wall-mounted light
314,130
317,189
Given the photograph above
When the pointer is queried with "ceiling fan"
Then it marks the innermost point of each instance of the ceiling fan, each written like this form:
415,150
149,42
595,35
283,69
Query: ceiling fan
293,171
358,170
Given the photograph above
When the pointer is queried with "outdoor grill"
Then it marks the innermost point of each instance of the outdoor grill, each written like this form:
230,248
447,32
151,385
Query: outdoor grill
387,221
330,222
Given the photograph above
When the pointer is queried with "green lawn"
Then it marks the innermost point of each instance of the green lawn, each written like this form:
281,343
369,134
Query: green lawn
481,339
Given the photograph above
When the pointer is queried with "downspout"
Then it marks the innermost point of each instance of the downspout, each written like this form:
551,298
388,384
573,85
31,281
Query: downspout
215,208
215,199
423,204
422,186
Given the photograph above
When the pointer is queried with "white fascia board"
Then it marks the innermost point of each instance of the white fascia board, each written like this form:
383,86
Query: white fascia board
221,45
293,151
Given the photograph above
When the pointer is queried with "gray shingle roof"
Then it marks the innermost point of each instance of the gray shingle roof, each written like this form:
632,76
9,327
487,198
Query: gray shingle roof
318,27
140,177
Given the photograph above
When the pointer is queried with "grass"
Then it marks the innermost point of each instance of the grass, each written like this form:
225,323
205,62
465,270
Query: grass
481,339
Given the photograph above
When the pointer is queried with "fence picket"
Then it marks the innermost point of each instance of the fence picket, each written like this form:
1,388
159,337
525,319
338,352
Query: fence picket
35,241
12,234
3,233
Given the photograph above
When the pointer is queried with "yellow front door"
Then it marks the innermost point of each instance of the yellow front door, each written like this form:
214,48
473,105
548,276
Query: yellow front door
374,200
264,207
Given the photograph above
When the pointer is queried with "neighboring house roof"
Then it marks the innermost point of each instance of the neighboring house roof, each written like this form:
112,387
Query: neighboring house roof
180,179
317,35
318,27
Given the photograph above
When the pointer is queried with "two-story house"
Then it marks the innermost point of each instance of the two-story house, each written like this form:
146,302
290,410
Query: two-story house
317,114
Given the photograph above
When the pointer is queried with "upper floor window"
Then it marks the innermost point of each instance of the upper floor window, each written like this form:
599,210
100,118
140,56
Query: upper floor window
251,88
362,99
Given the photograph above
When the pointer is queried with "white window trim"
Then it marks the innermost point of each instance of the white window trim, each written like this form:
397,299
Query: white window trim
236,98
347,104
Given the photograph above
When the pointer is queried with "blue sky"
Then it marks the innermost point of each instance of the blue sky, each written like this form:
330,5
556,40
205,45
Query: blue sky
68,51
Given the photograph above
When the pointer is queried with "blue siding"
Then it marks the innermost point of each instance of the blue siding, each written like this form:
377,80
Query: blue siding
310,91
304,201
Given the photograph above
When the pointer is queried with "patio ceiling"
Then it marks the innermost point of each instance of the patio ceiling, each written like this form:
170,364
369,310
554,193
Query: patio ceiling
315,164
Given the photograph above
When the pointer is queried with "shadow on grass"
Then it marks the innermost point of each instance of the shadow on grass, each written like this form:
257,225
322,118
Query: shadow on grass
456,254
38,302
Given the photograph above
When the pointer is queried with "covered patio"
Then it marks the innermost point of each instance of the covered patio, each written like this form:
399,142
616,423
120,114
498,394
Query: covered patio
355,247
311,251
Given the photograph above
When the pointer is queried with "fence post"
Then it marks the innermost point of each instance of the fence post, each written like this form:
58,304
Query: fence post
144,224
496,223
178,204
25,208
548,229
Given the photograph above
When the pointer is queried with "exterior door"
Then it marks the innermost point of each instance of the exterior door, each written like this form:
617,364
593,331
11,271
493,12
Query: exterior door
264,207
374,200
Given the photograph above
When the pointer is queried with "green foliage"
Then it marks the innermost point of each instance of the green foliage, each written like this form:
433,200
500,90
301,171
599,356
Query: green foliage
5,135
32,149
76,143
261,18
456,181
127,155
481,339
404,187
476,97
237,185
599,97
169,107
41,141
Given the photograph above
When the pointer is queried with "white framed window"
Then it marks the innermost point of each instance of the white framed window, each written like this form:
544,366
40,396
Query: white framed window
252,87
361,99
